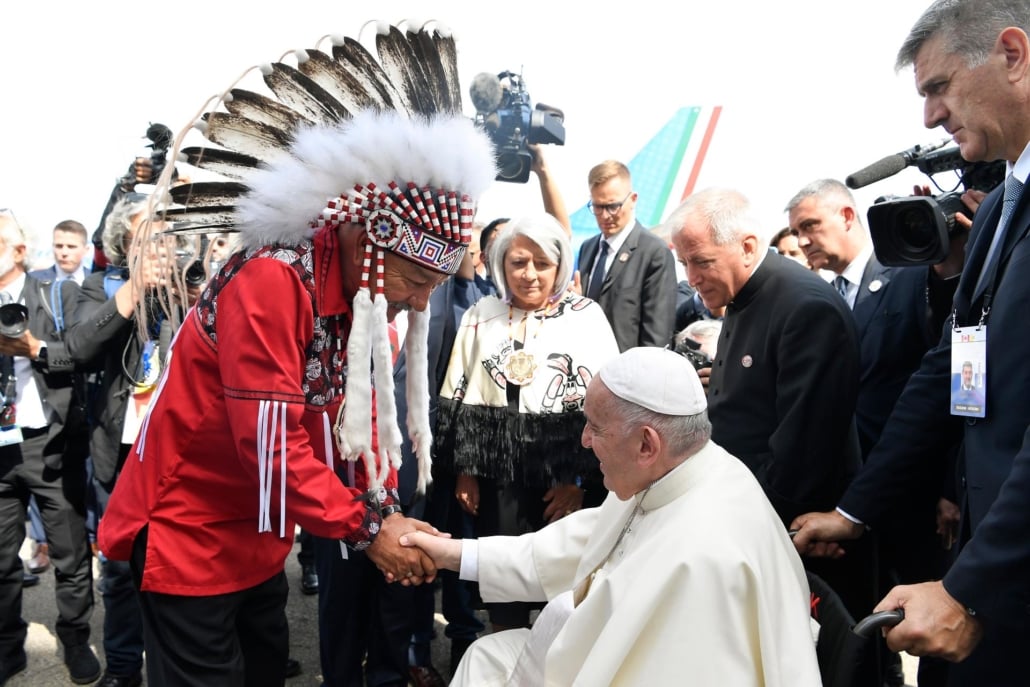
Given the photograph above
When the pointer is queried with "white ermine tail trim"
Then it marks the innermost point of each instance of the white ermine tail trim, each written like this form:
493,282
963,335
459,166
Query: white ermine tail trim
416,351
389,433
354,436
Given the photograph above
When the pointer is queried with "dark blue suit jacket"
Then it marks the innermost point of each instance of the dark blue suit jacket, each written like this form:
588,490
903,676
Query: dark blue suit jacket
638,295
50,273
992,573
891,316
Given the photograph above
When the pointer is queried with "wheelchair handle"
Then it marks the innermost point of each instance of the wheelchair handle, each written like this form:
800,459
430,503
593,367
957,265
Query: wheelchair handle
869,624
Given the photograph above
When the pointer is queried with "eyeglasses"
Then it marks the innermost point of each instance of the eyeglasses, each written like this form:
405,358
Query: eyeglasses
609,208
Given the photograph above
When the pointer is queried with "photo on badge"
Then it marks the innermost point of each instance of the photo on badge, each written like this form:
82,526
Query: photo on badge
969,371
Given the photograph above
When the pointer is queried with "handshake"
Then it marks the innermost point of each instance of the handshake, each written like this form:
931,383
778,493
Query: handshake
410,551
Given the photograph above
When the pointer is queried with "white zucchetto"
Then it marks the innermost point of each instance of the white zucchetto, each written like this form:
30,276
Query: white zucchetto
656,379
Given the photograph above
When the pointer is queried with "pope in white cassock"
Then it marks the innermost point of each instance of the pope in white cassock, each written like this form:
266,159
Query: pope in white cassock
684,575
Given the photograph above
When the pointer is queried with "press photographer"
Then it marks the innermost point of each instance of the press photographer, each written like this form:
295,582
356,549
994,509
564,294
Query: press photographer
38,427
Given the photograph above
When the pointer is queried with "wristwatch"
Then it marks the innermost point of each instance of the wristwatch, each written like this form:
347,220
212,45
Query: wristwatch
41,359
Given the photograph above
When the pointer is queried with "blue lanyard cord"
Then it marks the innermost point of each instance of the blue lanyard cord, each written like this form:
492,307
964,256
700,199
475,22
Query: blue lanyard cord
57,304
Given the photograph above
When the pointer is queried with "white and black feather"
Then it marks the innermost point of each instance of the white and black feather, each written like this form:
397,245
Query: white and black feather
261,108
303,95
226,163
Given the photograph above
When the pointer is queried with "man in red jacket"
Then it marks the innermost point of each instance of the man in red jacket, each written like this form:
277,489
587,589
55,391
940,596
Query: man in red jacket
357,223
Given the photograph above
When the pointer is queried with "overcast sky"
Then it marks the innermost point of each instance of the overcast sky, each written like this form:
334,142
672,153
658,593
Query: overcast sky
808,87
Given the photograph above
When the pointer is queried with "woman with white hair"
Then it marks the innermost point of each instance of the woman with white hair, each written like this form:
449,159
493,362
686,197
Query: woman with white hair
511,407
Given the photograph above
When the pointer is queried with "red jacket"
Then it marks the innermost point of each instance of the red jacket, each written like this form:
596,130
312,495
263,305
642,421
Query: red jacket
261,357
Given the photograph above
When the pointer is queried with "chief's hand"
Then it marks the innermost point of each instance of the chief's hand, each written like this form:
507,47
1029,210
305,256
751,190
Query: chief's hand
818,534
562,500
409,566
445,552
935,623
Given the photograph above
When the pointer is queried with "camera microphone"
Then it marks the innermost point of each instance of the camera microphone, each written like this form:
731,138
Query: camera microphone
890,165
486,92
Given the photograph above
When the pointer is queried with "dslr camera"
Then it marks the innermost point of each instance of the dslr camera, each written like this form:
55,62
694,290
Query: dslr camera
917,230
691,350
160,137
506,113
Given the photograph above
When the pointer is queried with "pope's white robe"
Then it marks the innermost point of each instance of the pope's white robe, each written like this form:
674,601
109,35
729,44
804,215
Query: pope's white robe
705,588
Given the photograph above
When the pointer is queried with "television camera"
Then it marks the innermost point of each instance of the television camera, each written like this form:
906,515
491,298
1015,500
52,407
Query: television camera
504,110
917,230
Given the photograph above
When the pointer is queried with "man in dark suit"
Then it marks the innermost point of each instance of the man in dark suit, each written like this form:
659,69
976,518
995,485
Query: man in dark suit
899,312
977,89
37,456
70,241
635,283
782,387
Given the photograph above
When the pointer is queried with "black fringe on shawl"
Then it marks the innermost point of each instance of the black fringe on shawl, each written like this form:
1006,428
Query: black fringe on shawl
538,450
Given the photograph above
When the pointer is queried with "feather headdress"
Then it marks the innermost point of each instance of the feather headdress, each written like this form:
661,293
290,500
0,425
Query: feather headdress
349,138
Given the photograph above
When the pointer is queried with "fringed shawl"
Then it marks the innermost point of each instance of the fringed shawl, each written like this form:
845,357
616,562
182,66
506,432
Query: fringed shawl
539,444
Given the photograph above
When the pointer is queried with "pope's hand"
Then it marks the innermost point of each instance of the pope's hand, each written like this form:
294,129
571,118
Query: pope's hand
445,552
819,534
408,565
935,623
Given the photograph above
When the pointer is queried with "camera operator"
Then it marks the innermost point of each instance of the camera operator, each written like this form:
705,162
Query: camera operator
108,338
38,456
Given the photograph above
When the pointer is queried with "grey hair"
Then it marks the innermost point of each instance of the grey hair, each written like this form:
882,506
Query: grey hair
118,224
727,213
824,190
967,28
12,234
684,434
703,330
544,231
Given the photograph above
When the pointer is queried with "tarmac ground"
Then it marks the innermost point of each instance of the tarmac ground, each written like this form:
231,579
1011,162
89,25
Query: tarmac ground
46,666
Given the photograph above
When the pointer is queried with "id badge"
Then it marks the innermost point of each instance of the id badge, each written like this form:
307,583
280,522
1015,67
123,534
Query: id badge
969,371
10,435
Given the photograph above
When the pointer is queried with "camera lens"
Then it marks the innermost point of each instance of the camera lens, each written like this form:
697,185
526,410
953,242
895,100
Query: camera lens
195,274
513,166
14,320
909,231
915,228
